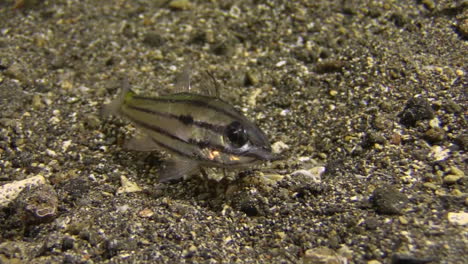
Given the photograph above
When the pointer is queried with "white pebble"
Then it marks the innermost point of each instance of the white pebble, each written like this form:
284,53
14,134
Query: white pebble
303,159
434,123
66,144
51,153
315,173
285,112
9,191
128,186
460,218
280,63
279,147
54,120
438,153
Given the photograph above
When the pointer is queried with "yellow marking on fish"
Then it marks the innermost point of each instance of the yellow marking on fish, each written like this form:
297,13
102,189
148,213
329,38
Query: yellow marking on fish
213,154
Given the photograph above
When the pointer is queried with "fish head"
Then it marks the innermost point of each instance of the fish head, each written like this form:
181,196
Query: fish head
247,143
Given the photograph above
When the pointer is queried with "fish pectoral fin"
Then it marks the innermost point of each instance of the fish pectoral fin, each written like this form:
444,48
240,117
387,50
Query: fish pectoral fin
141,143
178,168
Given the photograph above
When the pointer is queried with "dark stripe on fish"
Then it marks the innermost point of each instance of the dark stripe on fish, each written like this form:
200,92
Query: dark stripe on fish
196,157
176,151
184,119
197,143
192,101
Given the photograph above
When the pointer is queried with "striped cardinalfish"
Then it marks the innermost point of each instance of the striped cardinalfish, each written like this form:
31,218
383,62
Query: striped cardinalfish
198,130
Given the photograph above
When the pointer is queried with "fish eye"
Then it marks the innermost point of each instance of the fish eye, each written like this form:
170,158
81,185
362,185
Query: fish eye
236,133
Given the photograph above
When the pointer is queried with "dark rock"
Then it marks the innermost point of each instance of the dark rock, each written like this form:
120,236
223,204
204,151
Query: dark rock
111,247
399,19
462,141
305,55
372,138
224,48
416,109
388,200
248,203
249,208
67,243
37,205
452,107
73,189
435,135
462,28
200,38
372,223
153,39
329,66
401,259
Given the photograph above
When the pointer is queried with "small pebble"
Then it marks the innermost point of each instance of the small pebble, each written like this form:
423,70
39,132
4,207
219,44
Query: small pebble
430,185
451,179
280,64
460,218
51,153
127,186
270,178
65,145
314,173
153,40
67,243
322,255
404,259
455,174
37,102
435,135
429,4
456,171
438,153
252,100
92,121
146,213
462,141
279,147
180,4
251,78
403,220
463,27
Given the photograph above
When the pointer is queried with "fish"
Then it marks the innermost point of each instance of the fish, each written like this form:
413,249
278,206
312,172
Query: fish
199,131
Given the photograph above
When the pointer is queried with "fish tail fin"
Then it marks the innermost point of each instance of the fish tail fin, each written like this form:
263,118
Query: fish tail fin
113,108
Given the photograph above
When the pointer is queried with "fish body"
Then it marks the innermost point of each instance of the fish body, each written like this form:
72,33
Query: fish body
198,130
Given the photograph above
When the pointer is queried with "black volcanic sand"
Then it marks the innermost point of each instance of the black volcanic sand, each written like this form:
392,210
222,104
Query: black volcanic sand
375,92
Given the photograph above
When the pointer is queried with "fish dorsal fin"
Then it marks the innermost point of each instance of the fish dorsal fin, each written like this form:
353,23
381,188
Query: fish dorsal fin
183,80
207,85
212,89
